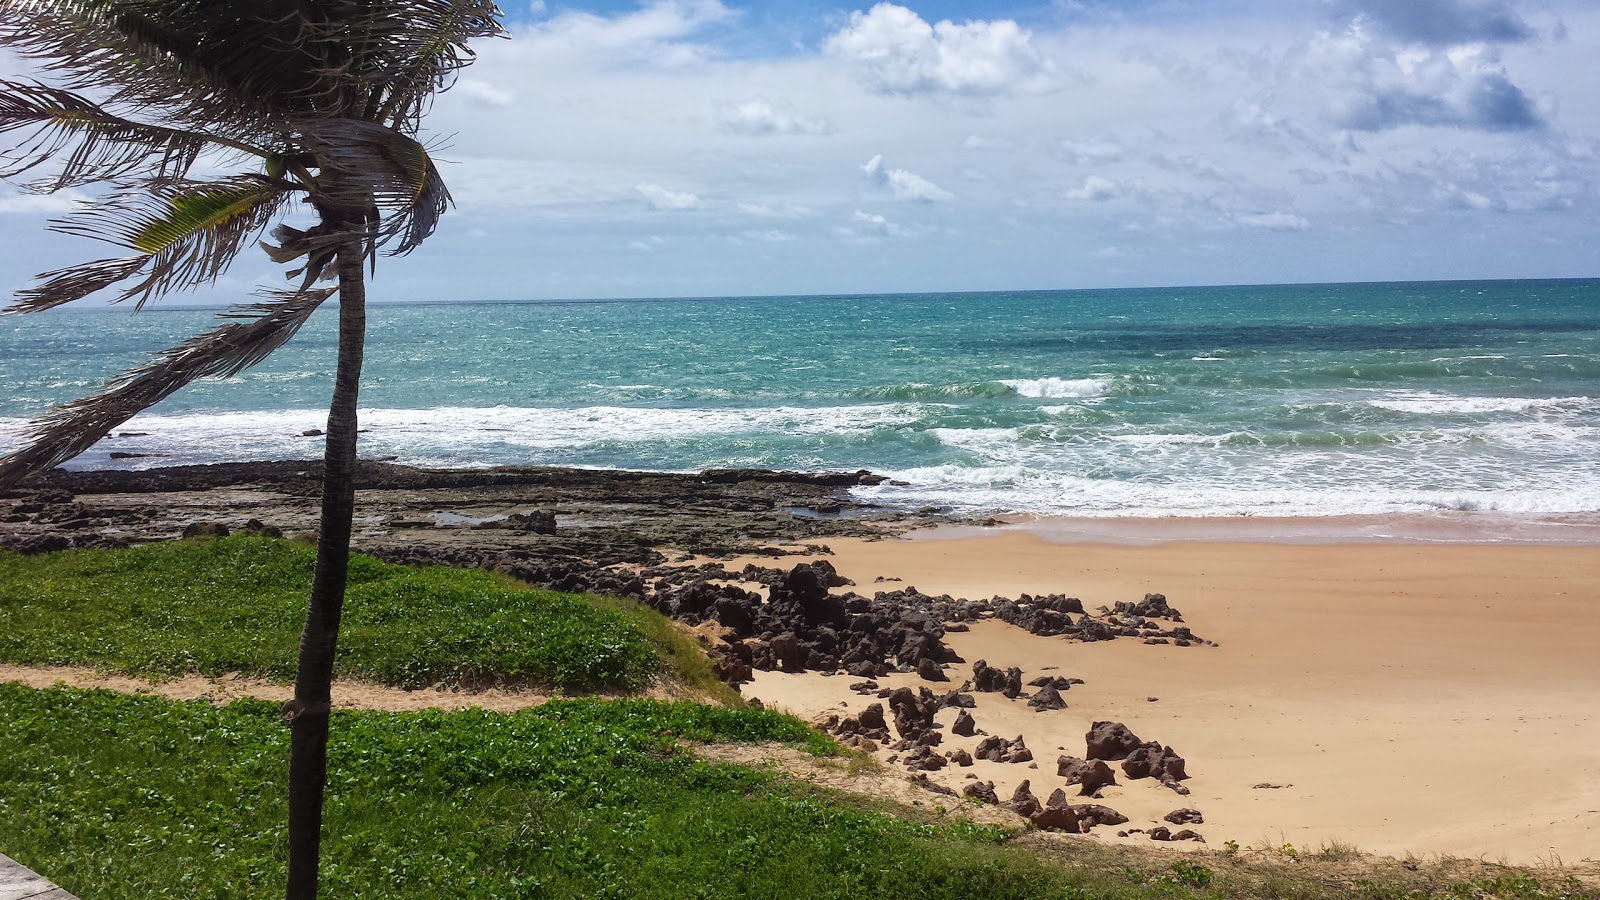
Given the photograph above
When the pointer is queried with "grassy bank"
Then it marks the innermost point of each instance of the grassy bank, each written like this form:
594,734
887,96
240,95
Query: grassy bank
115,796
237,604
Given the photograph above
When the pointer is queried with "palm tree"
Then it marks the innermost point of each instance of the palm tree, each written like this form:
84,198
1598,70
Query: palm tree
320,103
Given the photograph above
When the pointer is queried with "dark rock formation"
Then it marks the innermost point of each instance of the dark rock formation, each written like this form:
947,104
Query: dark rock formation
1110,740
1047,698
1091,775
982,791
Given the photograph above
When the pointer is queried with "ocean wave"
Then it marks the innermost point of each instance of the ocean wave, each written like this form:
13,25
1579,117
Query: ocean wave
1444,404
1009,488
1058,388
1036,388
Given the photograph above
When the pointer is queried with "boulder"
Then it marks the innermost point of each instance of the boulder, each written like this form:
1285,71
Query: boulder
1185,816
1110,740
1092,775
1023,802
982,791
964,725
1093,814
1047,698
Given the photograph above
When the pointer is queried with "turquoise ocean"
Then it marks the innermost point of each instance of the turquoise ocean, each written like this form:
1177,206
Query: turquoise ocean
1300,400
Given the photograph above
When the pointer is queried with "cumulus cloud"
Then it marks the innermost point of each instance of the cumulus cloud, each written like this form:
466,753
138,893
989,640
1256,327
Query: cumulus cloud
869,227
482,93
977,141
896,51
768,236
1442,22
1373,85
1274,221
656,34
661,198
40,204
904,185
1088,151
774,210
758,118
1096,189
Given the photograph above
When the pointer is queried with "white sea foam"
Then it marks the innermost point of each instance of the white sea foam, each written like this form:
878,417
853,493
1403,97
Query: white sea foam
1018,489
1058,388
1446,404
464,435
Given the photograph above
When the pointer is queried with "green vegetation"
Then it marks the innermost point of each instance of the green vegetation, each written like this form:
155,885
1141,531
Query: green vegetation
119,796
116,796
236,605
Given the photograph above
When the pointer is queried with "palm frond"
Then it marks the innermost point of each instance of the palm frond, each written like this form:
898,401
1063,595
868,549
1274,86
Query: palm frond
367,165
223,352
189,231
411,49
248,64
104,146
74,283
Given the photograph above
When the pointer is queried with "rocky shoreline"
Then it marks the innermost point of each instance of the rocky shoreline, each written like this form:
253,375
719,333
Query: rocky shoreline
628,534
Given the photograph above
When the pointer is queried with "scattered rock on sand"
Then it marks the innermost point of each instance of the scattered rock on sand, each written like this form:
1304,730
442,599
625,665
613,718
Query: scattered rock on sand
1185,816
1047,698
965,725
1093,814
1092,775
997,749
982,791
1110,740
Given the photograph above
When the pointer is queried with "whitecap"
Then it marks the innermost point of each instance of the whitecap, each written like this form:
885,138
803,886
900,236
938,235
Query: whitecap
1057,388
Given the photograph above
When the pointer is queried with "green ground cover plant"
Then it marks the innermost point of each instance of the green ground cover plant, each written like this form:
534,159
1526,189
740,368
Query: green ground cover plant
118,796
235,604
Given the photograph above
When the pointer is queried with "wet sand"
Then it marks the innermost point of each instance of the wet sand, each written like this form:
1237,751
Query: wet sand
1415,697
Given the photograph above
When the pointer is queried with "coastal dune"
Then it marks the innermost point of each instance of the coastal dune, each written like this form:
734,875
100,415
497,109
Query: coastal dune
1400,697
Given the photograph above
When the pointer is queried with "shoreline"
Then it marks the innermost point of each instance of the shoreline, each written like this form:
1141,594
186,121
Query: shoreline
1422,698
1444,527
1415,695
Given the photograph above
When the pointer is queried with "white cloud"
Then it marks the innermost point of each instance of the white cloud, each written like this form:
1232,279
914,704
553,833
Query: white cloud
653,34
483,93
895,51
1368,83
668,200
768,236
869,227
1096,189
904,185
1274,221
760,117
41,204
647,244
1089,151
977,141
774,210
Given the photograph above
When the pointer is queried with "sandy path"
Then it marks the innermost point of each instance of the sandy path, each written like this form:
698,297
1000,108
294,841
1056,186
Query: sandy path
1427,699
346,694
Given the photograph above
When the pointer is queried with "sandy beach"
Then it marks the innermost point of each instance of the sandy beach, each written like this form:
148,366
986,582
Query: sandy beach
1407,696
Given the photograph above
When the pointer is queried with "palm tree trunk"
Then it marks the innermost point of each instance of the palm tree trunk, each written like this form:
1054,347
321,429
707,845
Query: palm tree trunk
307,714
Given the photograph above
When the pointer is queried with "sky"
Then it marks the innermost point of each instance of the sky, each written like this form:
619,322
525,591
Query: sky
722,148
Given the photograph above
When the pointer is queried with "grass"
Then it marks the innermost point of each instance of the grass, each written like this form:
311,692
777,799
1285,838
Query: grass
119,796
236,604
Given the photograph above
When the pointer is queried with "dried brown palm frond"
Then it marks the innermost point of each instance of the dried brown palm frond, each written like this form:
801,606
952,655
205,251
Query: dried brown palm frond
223,352
372,165
256,65
103,146
185,234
